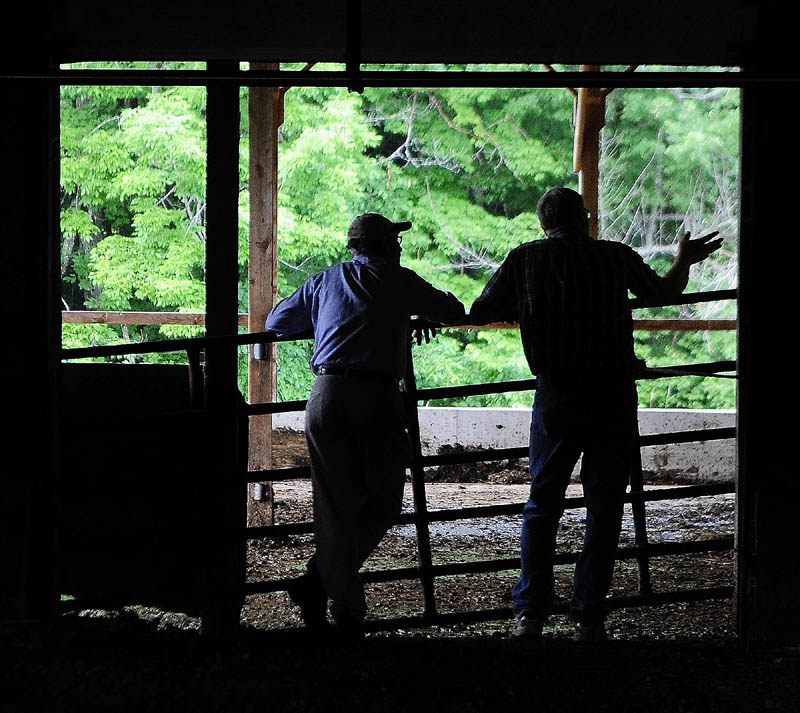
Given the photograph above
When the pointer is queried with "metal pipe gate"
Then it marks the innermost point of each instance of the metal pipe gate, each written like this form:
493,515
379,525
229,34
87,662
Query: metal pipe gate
426,571
421,518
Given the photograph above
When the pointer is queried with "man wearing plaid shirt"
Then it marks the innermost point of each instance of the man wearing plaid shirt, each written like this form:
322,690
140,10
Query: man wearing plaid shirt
569,294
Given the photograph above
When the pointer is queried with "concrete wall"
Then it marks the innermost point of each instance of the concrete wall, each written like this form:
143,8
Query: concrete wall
700,461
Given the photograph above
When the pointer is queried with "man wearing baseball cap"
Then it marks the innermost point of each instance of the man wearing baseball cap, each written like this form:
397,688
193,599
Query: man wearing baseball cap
358,312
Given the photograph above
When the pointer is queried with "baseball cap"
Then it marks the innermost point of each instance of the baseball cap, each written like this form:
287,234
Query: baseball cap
374,225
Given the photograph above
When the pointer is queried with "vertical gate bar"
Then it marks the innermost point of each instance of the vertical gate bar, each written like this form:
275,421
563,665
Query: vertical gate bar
196,397
424,556
640,520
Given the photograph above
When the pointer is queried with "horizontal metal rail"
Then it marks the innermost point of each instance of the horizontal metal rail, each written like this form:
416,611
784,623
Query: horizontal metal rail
274,407
661,549
436,393
171,345
488,455
506,509
685,298
444,619
447,392
454,618
706,434
477,456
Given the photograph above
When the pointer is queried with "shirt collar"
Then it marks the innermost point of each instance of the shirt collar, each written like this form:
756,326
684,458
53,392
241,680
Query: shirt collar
568,234
372,261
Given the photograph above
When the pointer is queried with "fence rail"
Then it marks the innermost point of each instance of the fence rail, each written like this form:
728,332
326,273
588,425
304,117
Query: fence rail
195,344
721,544
198,319
486,455
506,509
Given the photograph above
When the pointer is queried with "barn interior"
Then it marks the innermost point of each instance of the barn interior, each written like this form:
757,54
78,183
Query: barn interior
39,442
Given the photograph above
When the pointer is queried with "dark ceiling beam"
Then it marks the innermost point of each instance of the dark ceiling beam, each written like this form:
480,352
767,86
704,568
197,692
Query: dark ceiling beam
409,78
353,41
681,32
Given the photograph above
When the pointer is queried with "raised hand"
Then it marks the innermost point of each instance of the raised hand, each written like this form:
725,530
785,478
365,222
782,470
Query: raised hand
697,250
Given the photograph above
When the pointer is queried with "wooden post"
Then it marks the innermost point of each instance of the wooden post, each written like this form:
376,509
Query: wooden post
590,109
222,482
265,116
31,433
767,489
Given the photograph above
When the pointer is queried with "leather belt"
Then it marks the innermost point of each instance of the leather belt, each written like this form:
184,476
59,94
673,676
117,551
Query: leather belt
355,373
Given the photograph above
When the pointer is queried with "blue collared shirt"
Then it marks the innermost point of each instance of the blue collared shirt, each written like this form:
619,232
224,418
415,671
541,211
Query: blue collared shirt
358,313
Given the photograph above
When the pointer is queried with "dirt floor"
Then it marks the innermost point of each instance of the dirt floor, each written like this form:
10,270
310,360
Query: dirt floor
681,657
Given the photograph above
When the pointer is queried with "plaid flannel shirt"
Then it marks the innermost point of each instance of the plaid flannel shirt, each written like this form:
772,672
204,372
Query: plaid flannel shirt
569,294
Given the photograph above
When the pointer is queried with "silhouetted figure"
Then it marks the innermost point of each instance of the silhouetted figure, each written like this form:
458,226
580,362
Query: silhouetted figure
358,312
569,294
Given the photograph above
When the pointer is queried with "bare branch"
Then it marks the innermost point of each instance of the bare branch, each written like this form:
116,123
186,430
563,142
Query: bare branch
103,123
710,95
410,152
469,258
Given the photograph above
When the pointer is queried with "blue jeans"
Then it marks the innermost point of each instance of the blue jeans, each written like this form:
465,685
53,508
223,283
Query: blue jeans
570,419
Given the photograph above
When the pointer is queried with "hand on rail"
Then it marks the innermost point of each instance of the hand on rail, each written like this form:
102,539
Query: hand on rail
423,330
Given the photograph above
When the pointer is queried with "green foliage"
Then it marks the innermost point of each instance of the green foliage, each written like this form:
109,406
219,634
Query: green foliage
325,179
457,357
466,166
294,375
133,181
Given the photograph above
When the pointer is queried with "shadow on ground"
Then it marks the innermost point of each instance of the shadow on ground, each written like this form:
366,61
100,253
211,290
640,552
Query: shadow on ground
100,665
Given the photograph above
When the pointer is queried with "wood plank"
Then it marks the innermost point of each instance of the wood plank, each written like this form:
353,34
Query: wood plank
590,107
198,318
265,108
140,318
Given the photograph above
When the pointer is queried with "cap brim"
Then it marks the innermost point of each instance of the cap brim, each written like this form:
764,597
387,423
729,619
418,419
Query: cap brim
400,227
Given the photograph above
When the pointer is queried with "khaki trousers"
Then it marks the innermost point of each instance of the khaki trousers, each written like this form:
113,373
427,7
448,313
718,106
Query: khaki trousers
358,448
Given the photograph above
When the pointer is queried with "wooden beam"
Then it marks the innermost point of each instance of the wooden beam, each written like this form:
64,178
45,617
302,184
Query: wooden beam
265,108
590,109
199,319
